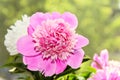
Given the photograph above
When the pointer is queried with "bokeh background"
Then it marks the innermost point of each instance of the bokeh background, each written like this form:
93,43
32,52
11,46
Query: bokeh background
99,21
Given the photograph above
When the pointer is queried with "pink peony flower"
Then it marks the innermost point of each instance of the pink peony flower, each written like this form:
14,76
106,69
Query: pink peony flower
102,61
52,43
106,70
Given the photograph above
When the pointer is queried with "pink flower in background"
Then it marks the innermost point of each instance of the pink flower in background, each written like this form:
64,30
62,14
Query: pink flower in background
105,69
102,61
52,43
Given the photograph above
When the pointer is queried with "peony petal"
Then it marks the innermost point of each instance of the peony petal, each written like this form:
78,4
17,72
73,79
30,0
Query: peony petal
30,30
32,62
95,65
76,59
100,75
71,19
98,62
82,41
104,57
60,66
102,61
56,15
113,76
50,68
37,18
25,46
47,67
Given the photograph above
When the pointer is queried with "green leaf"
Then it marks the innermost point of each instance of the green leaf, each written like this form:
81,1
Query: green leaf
18,65
13,58
85,69
86,58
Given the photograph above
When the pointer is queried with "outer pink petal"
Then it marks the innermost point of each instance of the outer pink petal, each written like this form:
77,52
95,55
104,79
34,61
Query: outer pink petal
71,19
104,57
25,46
60,66
56,15
37,18
50,68
30,30
97,62
32,62
95,65
47,67
82,41
76,59
36,62
102,61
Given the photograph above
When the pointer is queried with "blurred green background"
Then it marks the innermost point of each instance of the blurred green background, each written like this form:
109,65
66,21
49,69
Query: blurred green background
99,21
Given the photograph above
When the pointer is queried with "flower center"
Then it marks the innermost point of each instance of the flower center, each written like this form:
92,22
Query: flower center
54,39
